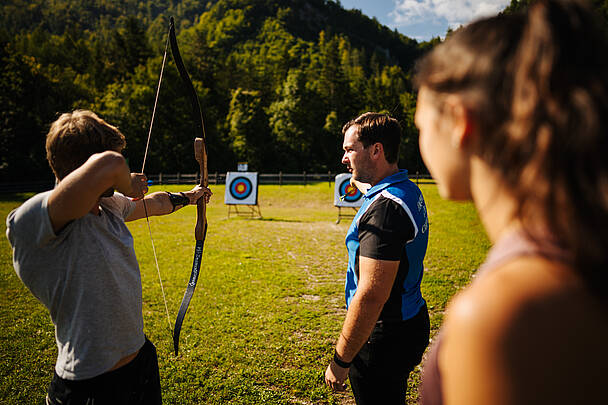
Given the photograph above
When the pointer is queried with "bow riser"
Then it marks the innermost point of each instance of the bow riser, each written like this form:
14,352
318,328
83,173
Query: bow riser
200,153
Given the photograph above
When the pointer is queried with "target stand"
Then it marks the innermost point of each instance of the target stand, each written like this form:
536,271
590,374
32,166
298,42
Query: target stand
347,215
346,196
242,190
248,211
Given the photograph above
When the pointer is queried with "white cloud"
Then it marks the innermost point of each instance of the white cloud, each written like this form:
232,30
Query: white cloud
454,12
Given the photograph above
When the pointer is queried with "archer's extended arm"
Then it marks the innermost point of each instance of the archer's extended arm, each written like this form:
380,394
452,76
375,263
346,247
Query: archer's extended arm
164,202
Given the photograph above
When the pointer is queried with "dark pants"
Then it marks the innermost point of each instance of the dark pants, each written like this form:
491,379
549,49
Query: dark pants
137,382
379,372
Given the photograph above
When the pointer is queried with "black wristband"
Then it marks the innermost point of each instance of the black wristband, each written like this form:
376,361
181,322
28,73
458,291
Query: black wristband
178,199
340,362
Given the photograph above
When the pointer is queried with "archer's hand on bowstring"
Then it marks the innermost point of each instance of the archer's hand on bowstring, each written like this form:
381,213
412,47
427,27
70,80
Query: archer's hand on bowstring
139,186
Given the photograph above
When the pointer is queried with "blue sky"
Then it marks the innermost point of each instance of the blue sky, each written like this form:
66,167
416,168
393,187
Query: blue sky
424,19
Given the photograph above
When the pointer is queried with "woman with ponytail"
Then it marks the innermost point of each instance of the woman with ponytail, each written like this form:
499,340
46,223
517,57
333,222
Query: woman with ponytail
513,115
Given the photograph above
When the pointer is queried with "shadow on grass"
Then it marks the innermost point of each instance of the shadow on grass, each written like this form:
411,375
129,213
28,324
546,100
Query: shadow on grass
271,219
265,219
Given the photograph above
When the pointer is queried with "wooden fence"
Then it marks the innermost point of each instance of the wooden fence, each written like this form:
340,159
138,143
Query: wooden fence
214,178
279,178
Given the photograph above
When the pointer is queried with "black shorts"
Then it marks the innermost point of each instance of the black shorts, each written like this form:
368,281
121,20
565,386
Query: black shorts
137,382
379,372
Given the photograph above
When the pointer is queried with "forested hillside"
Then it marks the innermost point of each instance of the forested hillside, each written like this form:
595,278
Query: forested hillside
276,79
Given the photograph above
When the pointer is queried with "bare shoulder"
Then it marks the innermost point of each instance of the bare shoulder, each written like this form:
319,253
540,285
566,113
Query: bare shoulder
531,331
530,289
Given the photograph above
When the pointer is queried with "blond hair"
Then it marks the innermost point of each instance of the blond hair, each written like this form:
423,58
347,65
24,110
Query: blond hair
75,136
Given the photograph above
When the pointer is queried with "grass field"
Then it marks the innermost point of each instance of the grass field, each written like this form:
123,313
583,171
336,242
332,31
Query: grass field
268,305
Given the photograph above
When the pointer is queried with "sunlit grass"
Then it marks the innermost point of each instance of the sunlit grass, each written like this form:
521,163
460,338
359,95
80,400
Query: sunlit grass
268,305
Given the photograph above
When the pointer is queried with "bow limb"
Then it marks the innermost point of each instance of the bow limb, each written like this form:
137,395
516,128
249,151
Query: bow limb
200,153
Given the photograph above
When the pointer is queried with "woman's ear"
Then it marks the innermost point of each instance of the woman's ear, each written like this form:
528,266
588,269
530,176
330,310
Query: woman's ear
461,119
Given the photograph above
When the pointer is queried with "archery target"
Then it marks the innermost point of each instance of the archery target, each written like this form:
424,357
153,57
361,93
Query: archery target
351,196
241,188
349,192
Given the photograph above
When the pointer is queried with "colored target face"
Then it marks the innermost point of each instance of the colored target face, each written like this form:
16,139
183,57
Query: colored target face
240,188
350,193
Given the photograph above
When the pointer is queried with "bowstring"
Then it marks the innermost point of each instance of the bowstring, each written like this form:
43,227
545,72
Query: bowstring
160,79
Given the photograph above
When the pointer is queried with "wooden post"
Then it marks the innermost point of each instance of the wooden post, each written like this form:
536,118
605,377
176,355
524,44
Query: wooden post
280,179
329,178
304,177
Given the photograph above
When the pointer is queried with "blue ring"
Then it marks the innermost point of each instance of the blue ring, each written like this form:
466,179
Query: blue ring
237,181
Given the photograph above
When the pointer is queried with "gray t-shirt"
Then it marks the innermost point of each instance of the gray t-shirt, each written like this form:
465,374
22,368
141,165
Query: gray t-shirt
88,278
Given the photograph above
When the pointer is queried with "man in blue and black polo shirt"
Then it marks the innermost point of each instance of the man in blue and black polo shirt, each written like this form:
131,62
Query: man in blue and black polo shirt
386,329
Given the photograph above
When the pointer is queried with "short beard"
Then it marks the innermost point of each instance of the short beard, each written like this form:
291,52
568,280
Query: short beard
364,176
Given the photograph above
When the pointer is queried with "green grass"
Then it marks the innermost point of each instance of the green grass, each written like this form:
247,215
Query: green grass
268,305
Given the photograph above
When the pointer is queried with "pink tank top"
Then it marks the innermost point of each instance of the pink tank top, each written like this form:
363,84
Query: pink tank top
513,244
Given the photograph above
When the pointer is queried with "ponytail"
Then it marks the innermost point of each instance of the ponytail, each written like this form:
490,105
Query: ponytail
537,86
560,109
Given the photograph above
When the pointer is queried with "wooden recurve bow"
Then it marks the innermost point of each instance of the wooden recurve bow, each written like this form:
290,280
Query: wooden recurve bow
200,153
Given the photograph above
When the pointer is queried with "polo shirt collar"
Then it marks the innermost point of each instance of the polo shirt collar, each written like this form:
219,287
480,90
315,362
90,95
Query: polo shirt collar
398,177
